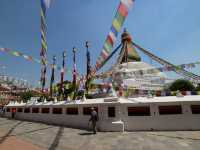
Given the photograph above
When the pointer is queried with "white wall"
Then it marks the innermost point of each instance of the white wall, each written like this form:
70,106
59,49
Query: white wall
185,121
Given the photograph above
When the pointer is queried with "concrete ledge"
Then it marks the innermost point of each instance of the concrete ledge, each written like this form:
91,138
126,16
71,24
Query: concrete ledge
116,126
111,99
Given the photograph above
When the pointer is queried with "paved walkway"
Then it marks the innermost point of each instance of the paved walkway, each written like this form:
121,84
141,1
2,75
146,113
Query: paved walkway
22,135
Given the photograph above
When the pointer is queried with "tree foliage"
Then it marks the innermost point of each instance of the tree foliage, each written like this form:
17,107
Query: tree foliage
198,87
25,96
182,85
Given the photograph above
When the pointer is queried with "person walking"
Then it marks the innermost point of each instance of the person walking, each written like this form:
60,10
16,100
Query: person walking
94,118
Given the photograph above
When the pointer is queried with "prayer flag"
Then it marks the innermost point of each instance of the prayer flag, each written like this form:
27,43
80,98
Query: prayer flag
45,3
123,10
117,23
127,3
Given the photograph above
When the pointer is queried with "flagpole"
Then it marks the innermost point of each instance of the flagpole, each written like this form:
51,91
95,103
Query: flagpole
88,65
43,44
74,66
74,72
52,76
62,72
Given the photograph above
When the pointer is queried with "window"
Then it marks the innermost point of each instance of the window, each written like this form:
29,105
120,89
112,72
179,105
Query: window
26,110
195,109
87,110
8,109
45,110
19,109
57,110
111,111
170,110
72,111
139,111
35,110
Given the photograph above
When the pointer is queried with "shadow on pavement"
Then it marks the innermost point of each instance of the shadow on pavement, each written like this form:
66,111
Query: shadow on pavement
4,123
31,131
86,133
57,138
18,134
3,138
176,137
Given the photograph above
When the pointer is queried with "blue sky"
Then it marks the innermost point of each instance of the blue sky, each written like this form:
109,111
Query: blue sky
168,28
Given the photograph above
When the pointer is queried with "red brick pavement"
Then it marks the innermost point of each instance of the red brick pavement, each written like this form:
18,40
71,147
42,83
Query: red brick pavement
14,143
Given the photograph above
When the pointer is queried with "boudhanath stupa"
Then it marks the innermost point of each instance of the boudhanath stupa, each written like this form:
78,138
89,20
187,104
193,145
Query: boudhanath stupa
130,69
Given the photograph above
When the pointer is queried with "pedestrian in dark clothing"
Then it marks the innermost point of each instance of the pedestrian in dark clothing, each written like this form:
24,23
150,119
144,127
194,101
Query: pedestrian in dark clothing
4,111
13,113
94,118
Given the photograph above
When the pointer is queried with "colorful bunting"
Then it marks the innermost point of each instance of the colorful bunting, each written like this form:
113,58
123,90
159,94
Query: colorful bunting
127,3
44,5
15,53
3,50
155,70
30,58
122,9
117,23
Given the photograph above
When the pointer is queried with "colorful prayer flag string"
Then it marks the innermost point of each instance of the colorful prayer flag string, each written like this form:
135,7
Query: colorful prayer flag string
44,5
155,70
149,71
19,54
117,23
30,58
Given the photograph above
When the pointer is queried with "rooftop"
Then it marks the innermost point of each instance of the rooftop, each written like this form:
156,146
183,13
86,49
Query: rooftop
193,98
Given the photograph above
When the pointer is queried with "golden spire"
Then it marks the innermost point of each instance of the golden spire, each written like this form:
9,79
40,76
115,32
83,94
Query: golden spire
128,51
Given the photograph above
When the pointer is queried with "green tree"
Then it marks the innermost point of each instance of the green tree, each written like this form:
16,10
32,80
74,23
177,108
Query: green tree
198,87
25,96
182,85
